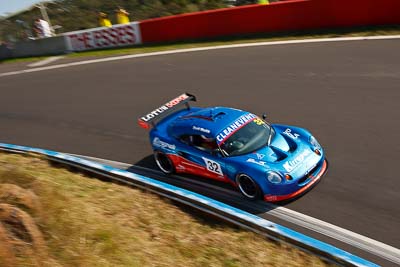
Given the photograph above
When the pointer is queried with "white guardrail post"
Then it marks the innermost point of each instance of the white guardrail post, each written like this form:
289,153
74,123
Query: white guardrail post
208,205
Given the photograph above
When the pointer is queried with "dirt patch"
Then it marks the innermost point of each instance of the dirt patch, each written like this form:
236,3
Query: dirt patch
22,198
7,256
23,235
22,243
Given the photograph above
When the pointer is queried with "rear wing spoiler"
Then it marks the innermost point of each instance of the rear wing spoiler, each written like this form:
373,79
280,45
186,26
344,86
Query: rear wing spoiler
150,119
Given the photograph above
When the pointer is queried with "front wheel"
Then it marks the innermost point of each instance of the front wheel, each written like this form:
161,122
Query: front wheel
248,187
163,162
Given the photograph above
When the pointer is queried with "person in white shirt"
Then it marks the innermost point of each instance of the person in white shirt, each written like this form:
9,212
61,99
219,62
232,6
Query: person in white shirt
42,28
45,28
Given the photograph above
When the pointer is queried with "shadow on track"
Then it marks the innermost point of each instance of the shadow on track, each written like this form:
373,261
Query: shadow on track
220,191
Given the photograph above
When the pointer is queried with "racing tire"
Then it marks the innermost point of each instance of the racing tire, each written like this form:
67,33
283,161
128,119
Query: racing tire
248,187
164,162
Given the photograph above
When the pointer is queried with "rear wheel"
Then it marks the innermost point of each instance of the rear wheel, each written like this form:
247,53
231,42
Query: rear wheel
248,187
163,162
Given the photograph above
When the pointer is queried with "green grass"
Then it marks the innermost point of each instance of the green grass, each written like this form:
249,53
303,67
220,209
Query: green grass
88,222
265,37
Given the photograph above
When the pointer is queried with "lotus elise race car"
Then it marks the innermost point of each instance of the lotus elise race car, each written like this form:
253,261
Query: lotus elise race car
264,161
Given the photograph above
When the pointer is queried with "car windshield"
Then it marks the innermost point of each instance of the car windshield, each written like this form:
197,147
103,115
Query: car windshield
249,138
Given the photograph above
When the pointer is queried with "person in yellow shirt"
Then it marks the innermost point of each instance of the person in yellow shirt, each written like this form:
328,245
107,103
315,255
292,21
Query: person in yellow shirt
122,16
263,2
104,21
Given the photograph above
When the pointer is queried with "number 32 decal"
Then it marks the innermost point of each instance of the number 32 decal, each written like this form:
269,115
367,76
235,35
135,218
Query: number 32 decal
213,166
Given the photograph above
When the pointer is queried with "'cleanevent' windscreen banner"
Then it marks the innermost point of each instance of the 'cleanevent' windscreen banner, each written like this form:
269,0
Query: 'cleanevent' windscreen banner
104,37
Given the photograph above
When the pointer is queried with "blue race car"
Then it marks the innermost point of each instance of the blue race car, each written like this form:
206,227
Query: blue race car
264,161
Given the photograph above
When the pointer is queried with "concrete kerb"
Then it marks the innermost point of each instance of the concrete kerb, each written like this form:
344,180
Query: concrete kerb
213,207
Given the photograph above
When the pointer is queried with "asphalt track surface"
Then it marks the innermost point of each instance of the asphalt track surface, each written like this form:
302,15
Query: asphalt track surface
345,93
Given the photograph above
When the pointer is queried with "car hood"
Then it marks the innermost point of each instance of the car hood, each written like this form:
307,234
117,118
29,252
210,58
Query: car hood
279,149
286,154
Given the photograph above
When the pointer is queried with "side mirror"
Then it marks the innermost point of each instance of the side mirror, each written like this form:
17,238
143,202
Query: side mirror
264,116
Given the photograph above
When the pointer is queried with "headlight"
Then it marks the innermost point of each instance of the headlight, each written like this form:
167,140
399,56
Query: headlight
274,177
314,142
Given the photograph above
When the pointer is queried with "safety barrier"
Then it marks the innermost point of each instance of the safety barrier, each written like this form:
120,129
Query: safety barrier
104,37
205,204
276,17
279,16
39,47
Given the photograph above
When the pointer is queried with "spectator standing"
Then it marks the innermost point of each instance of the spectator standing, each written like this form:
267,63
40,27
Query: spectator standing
104,21
263,2
45,28
122,16
41,28
37,28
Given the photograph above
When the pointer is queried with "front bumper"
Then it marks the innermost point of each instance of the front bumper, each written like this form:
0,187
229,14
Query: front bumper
314,178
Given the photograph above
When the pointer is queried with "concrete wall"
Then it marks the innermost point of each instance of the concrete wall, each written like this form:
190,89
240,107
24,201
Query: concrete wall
278,16
40,47
5,52
104,37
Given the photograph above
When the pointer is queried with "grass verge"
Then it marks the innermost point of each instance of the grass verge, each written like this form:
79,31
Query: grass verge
68,219
264,37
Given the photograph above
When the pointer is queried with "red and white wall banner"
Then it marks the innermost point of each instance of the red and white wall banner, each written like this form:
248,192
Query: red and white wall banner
104,37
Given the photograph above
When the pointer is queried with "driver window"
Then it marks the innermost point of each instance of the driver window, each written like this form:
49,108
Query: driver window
200,142
186,139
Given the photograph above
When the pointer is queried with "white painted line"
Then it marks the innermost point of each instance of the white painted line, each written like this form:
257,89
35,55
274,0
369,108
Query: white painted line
386,37
45,61
356,240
